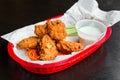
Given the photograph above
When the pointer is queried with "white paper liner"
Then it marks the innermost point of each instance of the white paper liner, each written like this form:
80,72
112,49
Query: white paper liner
83,9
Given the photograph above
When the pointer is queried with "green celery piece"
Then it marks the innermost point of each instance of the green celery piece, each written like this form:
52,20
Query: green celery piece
71,31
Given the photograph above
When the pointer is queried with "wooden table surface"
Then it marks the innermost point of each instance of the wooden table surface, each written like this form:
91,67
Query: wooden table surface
104,64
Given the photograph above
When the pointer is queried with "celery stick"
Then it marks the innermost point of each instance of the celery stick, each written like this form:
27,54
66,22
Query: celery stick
71,31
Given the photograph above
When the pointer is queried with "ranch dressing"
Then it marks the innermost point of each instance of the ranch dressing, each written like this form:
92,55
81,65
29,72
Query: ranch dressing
89,34
90,30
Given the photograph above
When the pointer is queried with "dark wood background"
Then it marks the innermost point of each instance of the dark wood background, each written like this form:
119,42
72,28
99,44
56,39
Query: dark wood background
104,64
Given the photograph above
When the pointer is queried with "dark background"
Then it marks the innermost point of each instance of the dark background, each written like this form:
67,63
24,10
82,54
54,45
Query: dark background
104,64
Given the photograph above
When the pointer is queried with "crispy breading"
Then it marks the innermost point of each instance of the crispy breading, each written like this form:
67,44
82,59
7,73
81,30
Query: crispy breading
32,54
48,50
56,29
49,42
40,30
30,42
67,47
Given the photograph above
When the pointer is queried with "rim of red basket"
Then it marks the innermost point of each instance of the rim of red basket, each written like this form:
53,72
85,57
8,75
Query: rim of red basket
83,54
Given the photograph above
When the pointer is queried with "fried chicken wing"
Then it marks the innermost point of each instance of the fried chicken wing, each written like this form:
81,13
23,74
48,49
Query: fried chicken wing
32,54
30,42
49,42
67,47
40,30
48,50
56,29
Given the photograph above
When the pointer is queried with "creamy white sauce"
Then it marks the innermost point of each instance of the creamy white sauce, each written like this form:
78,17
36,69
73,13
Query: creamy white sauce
89,34
91,30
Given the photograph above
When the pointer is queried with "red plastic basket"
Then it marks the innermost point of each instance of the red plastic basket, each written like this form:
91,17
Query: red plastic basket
61,65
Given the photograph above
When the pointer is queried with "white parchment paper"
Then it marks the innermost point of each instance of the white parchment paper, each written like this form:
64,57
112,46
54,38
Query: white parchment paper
83,9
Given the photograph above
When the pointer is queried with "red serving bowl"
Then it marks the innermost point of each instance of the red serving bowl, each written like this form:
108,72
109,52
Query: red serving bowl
60,65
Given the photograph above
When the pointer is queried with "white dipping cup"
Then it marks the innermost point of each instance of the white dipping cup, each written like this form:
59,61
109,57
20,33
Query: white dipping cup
89,31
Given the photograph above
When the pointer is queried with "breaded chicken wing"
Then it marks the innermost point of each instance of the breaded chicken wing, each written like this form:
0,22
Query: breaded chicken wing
48,50
67,47
40,30
56,29
32,54
30,42
49,42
